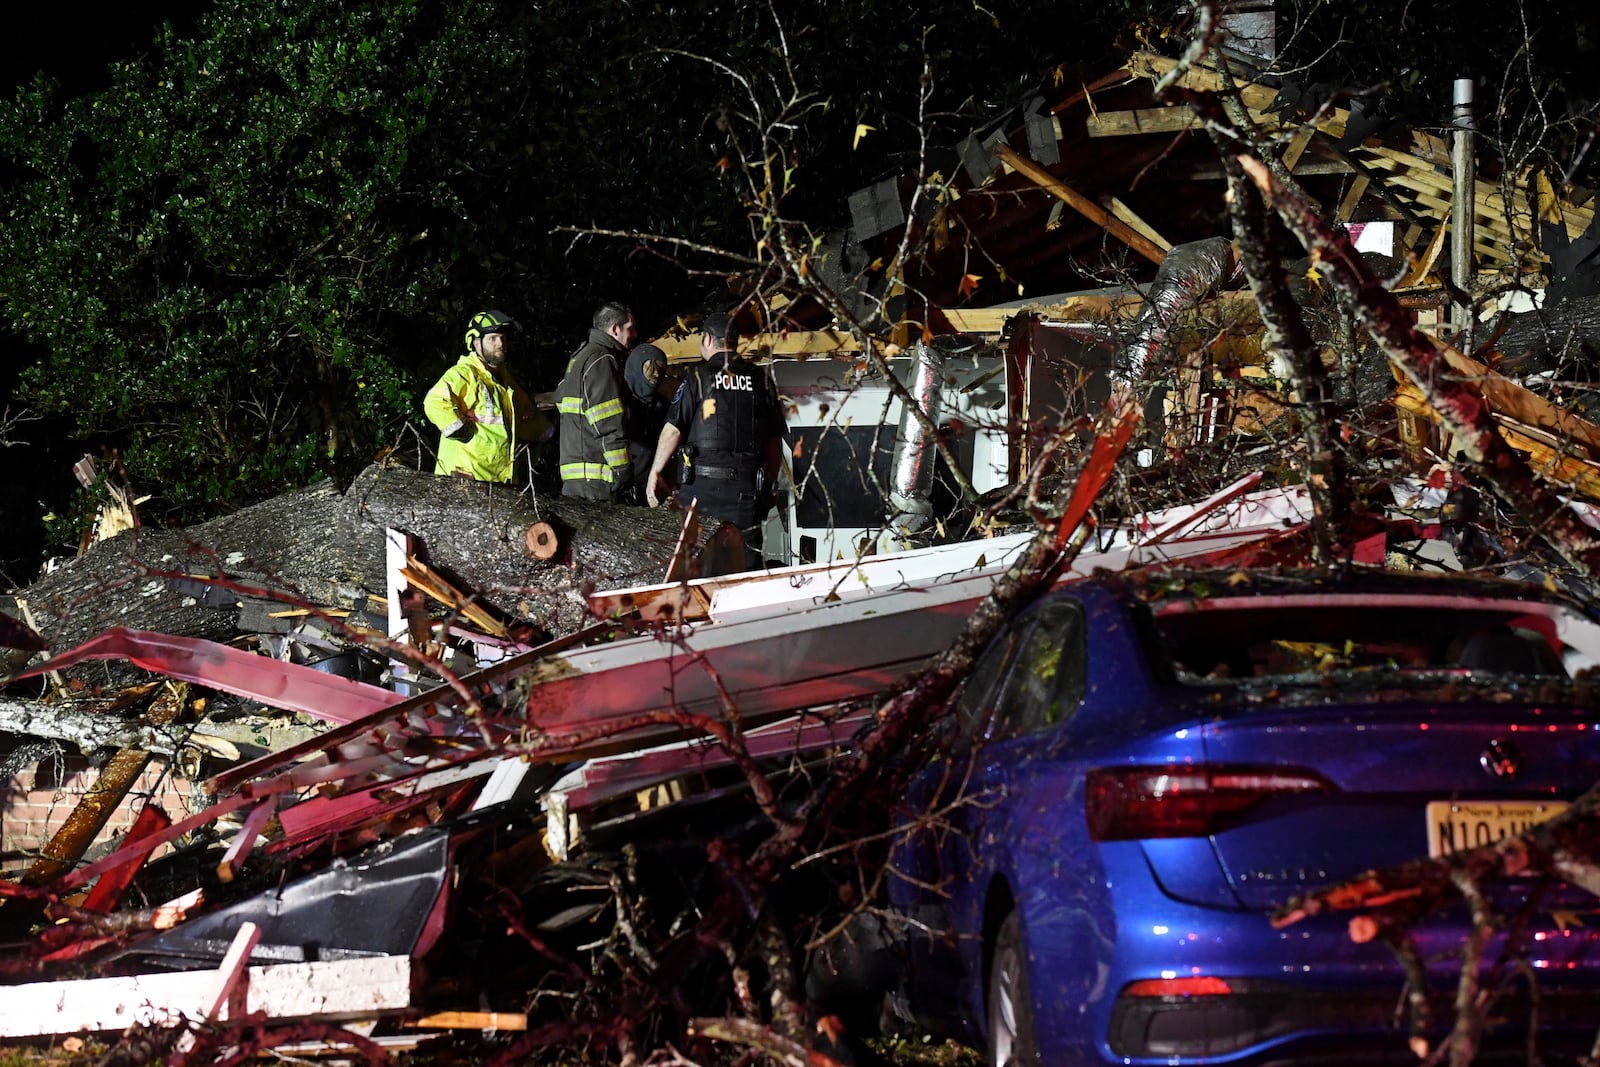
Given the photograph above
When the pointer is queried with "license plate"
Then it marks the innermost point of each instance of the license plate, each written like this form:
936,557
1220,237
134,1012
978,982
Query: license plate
1454,825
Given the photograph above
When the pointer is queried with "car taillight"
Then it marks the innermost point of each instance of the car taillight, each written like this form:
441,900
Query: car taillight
1178,987
1126,803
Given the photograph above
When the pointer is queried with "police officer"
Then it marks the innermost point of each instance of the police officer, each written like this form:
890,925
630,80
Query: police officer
727,416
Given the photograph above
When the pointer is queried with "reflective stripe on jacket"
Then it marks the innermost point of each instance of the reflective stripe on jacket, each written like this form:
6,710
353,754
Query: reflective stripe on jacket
593,445
496,407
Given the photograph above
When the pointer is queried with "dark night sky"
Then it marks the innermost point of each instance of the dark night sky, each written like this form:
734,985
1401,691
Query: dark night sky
74,40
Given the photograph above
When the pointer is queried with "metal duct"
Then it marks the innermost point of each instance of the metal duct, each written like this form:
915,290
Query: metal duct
1189,273
1463,207
911,492
915,452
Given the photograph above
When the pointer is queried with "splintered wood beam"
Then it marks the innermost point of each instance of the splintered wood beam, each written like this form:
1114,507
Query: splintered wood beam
1424,263
1297,146
73,838
1082,204
799,343
1508,398
1131,217
1352,197
469,1020
419,575
1552,460
1258,98
1105,81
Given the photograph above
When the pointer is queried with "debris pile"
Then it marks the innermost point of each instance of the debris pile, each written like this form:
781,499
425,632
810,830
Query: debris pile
352,770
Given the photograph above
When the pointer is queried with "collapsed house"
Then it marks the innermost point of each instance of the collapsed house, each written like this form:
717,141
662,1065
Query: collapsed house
371,704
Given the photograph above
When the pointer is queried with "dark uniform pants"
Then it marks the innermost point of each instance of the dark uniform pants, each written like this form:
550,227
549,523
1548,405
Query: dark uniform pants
729,502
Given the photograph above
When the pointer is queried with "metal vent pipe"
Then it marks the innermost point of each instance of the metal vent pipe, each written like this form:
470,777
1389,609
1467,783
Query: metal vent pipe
1463,207
916,454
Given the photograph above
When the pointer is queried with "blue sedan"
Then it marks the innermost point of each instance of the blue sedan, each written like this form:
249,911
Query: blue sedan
1142,768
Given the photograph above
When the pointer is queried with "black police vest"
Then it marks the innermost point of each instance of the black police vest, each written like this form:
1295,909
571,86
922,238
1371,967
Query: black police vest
735,435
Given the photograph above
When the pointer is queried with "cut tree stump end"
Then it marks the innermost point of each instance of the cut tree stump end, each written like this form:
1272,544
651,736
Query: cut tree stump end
541,541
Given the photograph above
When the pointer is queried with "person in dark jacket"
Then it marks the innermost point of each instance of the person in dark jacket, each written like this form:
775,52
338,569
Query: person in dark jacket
728,419
594,446
650,386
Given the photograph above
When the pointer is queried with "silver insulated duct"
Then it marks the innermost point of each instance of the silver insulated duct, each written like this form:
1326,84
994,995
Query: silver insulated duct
915,453
1189,273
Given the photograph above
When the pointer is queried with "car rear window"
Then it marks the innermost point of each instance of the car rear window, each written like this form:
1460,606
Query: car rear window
1385,637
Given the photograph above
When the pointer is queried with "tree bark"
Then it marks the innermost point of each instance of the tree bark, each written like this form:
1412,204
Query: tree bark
322,547
1565,335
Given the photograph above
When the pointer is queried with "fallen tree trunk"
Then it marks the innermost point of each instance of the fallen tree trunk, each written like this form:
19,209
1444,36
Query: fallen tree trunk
1564,336
318,546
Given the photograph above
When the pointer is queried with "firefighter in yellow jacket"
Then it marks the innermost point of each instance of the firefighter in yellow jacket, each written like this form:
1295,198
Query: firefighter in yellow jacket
481,411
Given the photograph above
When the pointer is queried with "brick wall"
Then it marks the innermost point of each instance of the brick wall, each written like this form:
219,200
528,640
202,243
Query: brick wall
39,800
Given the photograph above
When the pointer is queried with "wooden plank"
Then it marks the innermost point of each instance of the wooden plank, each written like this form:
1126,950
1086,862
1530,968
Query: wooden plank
231,970
1131,217
1175,119
1096,308
1297,146
1487,196
1412,173
1258,98
1152,66
1508,398
327,991
1082,204
1352,197
245,839
1105,81
797,343
1492,236
1308,168
469,1020
1142,121
1553,462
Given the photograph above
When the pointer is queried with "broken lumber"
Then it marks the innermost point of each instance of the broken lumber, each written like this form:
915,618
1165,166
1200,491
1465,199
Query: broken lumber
73,838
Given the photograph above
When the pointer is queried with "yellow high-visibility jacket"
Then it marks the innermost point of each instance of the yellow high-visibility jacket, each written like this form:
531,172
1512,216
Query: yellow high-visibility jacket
501,412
